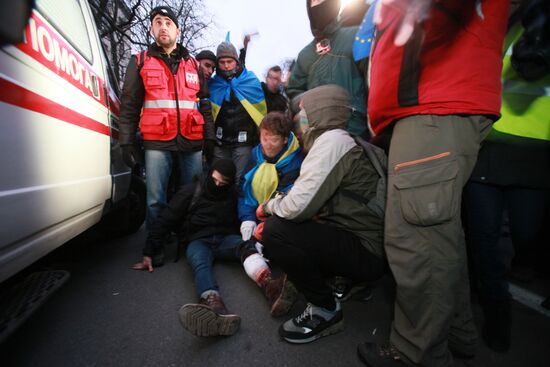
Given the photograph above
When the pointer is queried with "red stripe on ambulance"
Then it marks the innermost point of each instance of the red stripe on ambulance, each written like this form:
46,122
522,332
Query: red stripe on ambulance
18,96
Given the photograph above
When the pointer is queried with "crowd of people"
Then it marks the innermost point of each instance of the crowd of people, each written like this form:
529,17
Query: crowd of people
354,168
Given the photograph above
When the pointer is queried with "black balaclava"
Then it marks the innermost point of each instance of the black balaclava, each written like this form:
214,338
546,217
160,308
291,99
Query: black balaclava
320,16
227,169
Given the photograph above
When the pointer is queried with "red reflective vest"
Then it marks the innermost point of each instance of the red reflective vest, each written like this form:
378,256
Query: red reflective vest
170,103
453,68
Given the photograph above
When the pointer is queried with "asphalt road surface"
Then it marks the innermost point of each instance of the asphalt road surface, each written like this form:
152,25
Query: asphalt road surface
110,315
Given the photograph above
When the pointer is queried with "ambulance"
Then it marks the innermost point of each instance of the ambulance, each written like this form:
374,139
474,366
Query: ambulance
61,168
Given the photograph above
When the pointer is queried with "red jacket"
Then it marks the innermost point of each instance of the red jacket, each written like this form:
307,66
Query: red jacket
170,102
452,67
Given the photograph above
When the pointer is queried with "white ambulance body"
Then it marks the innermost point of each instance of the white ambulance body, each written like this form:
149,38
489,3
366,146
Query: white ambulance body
60,164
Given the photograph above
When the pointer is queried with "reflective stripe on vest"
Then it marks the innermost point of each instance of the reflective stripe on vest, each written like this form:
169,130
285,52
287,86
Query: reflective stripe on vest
168,103
525,105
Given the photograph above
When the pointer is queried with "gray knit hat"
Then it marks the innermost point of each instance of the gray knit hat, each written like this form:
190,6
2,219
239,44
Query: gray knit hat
226,49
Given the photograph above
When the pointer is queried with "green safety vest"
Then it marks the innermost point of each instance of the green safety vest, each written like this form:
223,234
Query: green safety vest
525,105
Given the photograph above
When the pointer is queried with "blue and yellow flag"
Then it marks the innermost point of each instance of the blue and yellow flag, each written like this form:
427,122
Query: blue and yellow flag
247,89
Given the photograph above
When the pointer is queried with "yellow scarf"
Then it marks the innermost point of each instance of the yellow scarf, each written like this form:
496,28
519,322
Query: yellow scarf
265,179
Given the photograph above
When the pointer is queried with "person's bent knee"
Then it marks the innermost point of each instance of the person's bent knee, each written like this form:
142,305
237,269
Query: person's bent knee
271,227
274,236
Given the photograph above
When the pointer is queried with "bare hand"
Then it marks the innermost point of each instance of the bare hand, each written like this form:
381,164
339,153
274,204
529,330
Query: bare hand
145,264
413,12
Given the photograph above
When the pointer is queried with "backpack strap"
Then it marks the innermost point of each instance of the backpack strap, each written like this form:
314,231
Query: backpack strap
140,56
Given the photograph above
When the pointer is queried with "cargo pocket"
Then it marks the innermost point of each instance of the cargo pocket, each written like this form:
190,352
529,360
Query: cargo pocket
428,192
154,123
154,79
195,125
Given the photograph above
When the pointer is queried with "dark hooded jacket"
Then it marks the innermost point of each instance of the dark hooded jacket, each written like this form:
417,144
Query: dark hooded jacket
334,174
204,216
335,67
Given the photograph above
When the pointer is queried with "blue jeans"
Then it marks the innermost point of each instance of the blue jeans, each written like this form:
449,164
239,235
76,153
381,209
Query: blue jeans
158,166
201,254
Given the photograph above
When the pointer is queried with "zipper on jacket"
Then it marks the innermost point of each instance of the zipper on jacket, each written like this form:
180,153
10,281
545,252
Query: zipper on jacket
421,160
175,89
177,101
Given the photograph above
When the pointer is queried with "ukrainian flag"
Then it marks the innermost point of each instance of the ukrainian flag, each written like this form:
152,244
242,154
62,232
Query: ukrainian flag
247,89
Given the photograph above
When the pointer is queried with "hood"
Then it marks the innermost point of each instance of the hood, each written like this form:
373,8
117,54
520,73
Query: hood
327,108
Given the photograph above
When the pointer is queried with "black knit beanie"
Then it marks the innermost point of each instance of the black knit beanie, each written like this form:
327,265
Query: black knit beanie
226,167
206,54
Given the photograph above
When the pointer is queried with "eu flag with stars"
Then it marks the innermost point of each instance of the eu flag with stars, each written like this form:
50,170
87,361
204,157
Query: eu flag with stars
363,38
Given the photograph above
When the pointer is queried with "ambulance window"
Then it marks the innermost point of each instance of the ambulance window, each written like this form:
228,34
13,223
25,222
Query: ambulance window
67,17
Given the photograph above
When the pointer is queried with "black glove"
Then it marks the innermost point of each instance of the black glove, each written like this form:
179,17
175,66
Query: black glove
208,150
128,155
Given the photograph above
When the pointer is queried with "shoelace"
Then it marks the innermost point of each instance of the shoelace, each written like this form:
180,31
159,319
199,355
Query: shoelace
307,312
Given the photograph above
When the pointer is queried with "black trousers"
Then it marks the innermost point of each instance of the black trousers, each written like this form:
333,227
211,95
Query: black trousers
310,252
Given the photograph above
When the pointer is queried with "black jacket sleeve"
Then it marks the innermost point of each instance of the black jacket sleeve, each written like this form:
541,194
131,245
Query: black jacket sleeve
206,111
169,219
205,107
133,93
242,57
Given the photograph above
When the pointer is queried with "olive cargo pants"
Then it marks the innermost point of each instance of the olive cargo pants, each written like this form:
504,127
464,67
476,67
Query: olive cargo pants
430,160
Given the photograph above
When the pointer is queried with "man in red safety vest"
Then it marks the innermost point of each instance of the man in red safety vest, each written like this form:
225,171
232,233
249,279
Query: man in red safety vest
165,93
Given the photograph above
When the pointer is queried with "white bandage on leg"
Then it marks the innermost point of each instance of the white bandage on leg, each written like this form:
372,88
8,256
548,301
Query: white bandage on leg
256,268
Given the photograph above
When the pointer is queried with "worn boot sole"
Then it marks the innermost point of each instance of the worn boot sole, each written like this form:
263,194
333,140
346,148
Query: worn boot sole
201,320
286,299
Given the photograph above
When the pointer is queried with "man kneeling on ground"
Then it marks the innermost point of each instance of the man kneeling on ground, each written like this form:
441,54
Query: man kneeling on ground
324,225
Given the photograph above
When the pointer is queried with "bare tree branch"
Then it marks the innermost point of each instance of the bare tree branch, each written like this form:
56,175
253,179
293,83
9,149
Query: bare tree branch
124,26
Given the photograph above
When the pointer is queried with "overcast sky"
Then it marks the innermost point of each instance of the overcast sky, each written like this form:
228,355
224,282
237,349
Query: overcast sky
282,26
